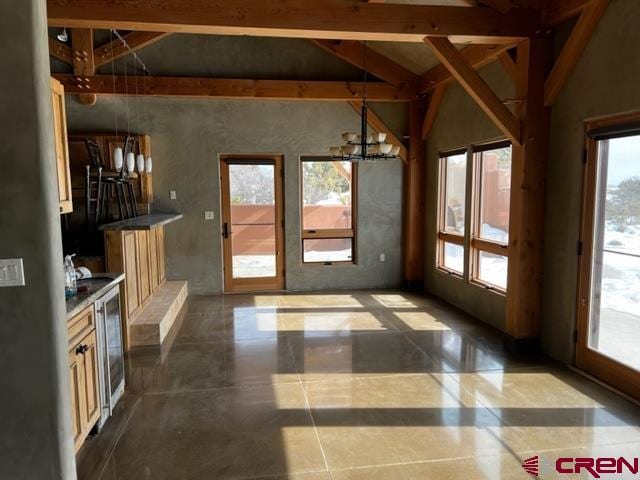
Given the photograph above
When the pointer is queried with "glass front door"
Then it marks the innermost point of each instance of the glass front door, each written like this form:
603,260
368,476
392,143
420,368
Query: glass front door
609,303
252,223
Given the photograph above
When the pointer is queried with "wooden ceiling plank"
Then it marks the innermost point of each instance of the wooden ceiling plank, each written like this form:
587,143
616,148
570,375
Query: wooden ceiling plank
476,55
572,50
115,49
379,126
84,66
196,87
432,110
382,67
60,51
471,81
332,19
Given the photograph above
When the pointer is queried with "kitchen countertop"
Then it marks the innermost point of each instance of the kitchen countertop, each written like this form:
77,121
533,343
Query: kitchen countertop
100,284
143,222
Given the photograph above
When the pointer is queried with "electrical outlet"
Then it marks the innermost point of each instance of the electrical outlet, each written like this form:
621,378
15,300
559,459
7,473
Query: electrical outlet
11,272
383,257
208,215
172,195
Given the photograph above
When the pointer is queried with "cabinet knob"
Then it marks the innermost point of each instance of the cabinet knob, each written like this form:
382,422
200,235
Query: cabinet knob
81,350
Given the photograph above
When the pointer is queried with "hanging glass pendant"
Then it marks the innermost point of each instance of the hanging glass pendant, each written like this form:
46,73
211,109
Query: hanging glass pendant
140,163
118,159
131,162
148,165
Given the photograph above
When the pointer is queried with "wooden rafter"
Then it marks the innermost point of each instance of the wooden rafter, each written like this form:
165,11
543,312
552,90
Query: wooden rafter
377,64
432,110
378,125
572,49
471,81
476,55
60,51
508,64
194,87
84,66
502,6
337,19
557,11
115,49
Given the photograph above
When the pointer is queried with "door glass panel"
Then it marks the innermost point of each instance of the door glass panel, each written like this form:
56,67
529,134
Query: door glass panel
495,188
454,257
114,342
454,194
492,269
614,324
253,220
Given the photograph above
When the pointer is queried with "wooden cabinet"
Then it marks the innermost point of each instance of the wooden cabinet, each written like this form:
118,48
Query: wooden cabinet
62,148
83,373
140,255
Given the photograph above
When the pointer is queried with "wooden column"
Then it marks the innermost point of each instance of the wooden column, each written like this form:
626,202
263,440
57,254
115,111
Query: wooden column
414,198
84,66
528,178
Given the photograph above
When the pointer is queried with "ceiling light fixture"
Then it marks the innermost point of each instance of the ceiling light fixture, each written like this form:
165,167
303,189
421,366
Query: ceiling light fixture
364,146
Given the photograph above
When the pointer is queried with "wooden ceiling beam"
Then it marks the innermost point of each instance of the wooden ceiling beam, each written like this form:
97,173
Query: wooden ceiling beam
573,48
115,49
331,19
508,64
60,51
432,110
471,81
476,55
379,126
382,67
194,87
558,11
83,61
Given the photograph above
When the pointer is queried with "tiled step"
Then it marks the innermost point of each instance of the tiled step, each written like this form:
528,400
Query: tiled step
154,322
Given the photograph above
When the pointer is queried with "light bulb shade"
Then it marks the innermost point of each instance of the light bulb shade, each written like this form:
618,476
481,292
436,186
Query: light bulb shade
131,162
385,148
335,151
140,163
118,159
395,150
148,165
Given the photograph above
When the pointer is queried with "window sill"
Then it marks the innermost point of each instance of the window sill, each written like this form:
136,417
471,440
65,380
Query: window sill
488,287
328,264
450,273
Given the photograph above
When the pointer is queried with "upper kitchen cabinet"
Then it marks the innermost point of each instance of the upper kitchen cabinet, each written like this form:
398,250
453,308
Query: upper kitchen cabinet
62,147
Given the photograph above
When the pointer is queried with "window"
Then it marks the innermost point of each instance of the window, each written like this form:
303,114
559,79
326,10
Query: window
453,181
492,196
328,210
487,220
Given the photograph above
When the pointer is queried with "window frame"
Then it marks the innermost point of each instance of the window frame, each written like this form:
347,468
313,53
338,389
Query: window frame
330,233
445,236
477,244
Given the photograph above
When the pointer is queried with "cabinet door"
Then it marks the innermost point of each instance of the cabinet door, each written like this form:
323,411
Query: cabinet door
160,243
143,265
61,147
153,259
78,401
130,257
92,393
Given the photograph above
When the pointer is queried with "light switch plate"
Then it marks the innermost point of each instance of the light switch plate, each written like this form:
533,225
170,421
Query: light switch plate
383,257
208,215
172,195
11,272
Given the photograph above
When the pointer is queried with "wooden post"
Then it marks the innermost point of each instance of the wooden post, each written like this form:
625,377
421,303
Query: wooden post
528,178
84,66
414,198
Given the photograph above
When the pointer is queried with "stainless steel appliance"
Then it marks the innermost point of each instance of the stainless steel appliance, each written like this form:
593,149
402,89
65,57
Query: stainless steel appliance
110,351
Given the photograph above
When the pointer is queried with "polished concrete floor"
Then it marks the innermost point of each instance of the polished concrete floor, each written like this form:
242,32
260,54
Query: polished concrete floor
352,385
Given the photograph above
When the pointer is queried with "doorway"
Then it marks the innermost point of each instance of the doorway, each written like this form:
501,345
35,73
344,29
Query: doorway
252,222
609,281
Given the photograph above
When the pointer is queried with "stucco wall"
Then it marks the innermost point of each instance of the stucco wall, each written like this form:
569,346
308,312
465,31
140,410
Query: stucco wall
605,82
187,137
461,122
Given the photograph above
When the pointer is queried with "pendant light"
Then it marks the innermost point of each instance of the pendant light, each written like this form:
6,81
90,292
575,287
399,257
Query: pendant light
148,163
118,158
63,36
140,156
364,146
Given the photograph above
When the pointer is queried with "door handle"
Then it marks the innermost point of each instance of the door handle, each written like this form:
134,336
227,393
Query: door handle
225,230
82,349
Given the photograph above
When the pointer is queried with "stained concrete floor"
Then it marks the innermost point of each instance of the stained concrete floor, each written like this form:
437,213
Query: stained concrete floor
347,386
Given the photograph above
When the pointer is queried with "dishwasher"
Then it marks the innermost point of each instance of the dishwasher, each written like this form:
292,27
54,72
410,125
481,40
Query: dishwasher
110,353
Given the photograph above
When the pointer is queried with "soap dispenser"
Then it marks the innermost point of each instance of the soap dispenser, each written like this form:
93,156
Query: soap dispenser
70,284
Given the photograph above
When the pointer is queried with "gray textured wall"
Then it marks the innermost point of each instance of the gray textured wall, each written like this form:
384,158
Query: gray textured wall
461,122
605,82
35,424
187,138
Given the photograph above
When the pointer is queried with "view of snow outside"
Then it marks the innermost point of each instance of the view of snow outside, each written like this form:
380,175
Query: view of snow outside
619,327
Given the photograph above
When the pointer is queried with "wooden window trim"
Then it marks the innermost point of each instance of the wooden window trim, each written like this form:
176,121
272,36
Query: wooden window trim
330,233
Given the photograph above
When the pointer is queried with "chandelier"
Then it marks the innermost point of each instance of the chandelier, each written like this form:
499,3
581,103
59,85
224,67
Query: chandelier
364,146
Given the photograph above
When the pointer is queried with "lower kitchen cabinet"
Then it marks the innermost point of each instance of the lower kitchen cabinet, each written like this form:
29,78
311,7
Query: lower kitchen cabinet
83,372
